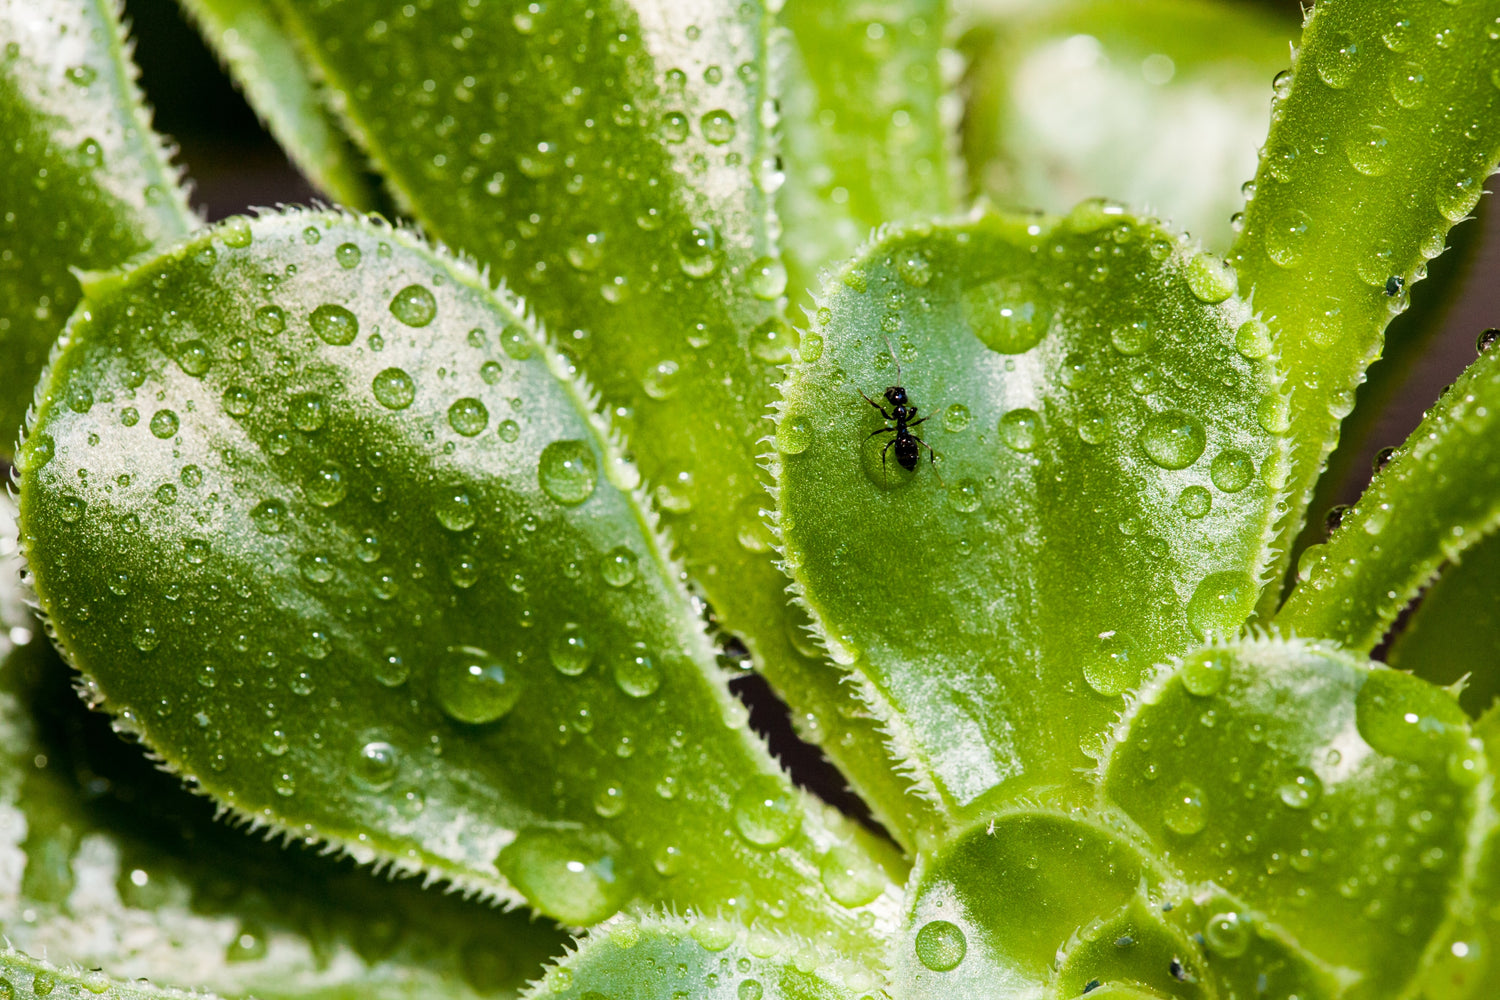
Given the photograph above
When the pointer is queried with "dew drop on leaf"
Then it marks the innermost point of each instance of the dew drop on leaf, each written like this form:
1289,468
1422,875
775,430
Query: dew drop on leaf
1301,789
474,687
1227,935
348,255
1020,429
1173,439
334,324
618,566
1005,316
1231,470
468,416
766,812
850,877
375,765
269,517
570,651
163,424
1204,673
941,945
636,675
414,305
1405,717
454,509
1194,501
567,472
1184,814
393,389
1221,603
572,876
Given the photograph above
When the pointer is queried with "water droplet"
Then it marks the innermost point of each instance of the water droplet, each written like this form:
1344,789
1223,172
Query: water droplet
1286,238
636,675
674,127
236,232
793,434
964,496
956,418
1369,150
239,400
394,389
1457,199
609,801
193,357
1274,414
1204,673
766,812
1173,439
696,251
163,424
1408,85
1232,470
468,416
750,989
567,472
375,765
941,945
539,161
1184,814
1221,603
315,568
850,876
270,517
618,566
454,509
307,412
474,687
1021,429
1253,339
1114,669
570,651
1005,316
327,485
391,669
334,324
571,876
348,255
1227,935
1132,339
1300,789
1337,65
767,277
517,343
1194,501
81,75
718,127
414,305
1405,717
1209,279
751,530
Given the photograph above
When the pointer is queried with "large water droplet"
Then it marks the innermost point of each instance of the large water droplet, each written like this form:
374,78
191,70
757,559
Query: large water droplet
270,517
1227,935
1006,316
636,675
571,876
1209,279
1184,814
327,485
941,945
567,472
394,389
1231,470
718,127
474,687
1405,717
766,812
414,305
570,651
850,877
1173,439
468,416
334,325
1204,673
454,509
1336,66
375,765
163,424
1021,429
1221,603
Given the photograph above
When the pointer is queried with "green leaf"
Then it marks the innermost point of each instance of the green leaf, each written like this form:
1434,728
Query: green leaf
613,162
1453,635
1343,803
1381,141
1439,495
1161,103
631,959
339,537
867,122
30,979
249,36
84,181
1102,488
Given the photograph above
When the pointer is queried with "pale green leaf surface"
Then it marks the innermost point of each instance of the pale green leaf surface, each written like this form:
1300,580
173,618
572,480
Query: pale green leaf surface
319,518
112,864
27,978
1104,488
867,122
614,163
701,959
249,37
1342,802
1439,496
84,183
1380,141
1160,104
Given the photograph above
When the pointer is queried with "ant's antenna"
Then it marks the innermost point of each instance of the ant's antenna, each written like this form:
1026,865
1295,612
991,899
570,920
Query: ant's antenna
894,356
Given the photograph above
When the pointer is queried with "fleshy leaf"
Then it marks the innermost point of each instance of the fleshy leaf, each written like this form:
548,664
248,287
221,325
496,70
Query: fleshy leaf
84,181
1439,495
701,959
1382,137
249,36
1094,485
27,978
1453,635
1161,103
120,868
614,162
866,124
1343,803
322,520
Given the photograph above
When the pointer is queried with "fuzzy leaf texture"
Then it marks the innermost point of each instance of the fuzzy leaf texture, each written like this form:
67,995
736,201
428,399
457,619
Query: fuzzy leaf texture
1381,138
84,182
1097,483
1215,861
326,524
615,163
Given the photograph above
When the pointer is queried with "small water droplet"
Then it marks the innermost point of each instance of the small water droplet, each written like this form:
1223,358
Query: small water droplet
965,496
307,412
334,324
1204,673
941,945
636,675
468,416
718,126
767,278
163,424
850,876
767,813
394,389
570,651
390,668
1337,65
1221,603
567,472
1132,338
414,305
1020,429
270,517
1227,935
348,255
454,509
1184,814
793,434
327,485
1210,279
1194,501
1173,439
696,251
1232,470
618,567
375,765
1301,789
239,400
474,687
1408,85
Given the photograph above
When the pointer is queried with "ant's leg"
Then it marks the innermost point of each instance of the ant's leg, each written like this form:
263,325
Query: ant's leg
912,423
883,476
883,430
931,455
875,404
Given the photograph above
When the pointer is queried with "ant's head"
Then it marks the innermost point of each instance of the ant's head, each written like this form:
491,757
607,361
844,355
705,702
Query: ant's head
896,395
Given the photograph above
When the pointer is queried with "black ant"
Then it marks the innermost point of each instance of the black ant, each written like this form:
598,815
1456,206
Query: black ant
903,415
